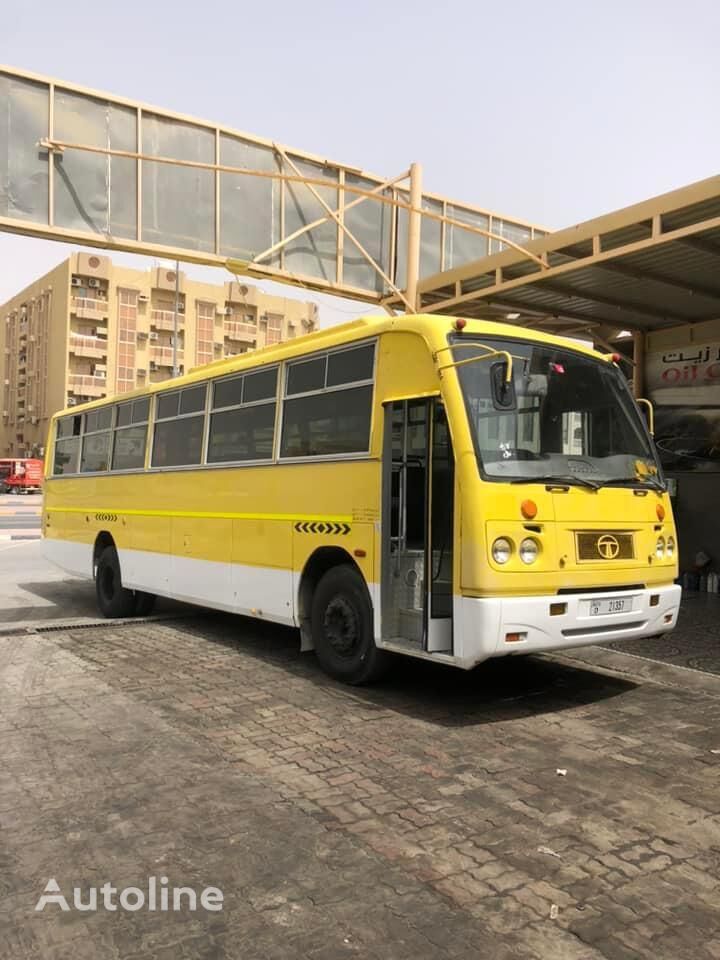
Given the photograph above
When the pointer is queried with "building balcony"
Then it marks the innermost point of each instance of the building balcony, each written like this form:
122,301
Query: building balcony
83,345
163,356
89,308
243,332
87,385
165,319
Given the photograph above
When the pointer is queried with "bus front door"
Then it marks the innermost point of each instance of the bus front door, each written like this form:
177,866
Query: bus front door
417,555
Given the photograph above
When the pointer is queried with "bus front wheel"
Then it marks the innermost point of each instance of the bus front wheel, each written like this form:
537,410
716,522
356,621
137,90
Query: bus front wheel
342,627
112,598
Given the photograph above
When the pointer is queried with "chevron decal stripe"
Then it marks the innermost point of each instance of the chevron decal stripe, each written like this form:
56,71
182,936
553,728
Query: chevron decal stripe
321,526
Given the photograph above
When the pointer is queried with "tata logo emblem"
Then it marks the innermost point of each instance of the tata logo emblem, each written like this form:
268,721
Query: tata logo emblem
608,547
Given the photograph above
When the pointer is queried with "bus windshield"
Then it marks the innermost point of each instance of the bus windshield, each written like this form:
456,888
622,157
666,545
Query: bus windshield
567,417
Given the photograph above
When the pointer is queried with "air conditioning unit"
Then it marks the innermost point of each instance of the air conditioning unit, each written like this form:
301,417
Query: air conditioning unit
71,401
76,282
181,308
93,282
141,371
34,420
143,298
142,335
6,413
154,336
153,366
30,407
227,312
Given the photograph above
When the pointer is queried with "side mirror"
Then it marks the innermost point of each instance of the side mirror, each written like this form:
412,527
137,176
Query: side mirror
503,390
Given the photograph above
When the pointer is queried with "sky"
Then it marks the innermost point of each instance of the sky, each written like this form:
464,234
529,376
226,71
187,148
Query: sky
550,112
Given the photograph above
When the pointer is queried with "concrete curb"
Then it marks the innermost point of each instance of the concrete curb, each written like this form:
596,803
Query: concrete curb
631,666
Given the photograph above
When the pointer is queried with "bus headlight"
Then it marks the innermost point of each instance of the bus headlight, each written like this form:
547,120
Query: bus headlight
529,550
670,547
660,548
502,550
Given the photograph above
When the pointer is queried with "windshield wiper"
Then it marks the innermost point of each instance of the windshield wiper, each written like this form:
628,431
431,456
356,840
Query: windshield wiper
560,481
633,481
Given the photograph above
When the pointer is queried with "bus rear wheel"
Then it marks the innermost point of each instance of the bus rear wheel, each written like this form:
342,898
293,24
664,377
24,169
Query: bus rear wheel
113,599
342,627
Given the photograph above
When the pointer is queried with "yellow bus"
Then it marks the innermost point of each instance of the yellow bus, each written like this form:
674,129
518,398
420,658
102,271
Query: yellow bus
423,485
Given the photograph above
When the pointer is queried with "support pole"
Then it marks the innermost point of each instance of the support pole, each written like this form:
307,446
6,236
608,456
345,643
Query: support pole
412,271
639,360
175,318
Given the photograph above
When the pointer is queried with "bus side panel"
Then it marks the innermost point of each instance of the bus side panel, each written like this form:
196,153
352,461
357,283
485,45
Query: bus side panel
146,565
200,568
262,580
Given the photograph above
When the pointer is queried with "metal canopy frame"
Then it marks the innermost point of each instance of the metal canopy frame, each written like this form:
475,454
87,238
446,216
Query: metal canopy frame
91,168
652,265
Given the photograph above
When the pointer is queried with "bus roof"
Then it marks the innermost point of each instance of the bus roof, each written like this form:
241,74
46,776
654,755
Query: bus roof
434,329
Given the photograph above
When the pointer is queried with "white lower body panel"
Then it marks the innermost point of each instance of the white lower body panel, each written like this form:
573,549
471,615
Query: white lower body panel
482,624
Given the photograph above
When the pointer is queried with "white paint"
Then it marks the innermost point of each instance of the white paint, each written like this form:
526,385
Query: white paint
76,558
482,623
263,592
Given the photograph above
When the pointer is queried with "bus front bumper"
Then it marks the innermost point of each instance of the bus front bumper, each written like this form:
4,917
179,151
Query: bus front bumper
500,626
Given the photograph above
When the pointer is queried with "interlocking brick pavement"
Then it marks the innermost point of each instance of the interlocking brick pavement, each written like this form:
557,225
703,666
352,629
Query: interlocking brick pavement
422,818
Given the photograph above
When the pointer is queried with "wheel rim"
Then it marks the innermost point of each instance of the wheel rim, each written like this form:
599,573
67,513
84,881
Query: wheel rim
107,582
341,627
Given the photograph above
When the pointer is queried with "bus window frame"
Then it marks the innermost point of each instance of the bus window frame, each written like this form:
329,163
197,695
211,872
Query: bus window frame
371,382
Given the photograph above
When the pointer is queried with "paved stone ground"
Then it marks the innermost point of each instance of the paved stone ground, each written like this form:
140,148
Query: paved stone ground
696,641
423,818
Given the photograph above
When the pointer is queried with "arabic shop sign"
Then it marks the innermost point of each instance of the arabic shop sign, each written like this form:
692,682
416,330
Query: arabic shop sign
696,365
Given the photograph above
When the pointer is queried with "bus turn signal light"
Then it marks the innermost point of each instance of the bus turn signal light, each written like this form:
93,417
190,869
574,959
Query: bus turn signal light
528,508
515,637
660,511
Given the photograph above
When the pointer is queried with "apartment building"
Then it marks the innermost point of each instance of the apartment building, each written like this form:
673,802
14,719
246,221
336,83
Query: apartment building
90,328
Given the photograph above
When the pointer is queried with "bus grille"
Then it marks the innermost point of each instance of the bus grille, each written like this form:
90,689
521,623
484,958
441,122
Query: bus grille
604,545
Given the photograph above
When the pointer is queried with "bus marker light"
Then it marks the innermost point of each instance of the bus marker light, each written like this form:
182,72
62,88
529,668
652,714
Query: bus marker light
616,357
660,511
558,609
359,553
460,324
515,637
528,508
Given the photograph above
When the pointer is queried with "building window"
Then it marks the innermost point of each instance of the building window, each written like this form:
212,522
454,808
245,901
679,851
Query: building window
205,332
127,337
327,409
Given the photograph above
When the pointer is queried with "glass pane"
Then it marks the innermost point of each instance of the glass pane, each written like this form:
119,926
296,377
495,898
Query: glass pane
306,375
249,206
327,423
66,456
168,405
349,366
129,448
178,443
242,434
23,167
429,241
260,386
370,222
95,452
98,420
141,410
313,253
462,246
69,426
124,414
227,393
189,224
192,400
95,192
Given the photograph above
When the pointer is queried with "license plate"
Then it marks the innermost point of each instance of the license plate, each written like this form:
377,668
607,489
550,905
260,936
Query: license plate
601,608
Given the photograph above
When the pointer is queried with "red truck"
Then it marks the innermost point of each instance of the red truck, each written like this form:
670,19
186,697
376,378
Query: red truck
21,475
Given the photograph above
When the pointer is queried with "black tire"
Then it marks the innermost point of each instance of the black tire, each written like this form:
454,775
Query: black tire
342,627
144,603
113,599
